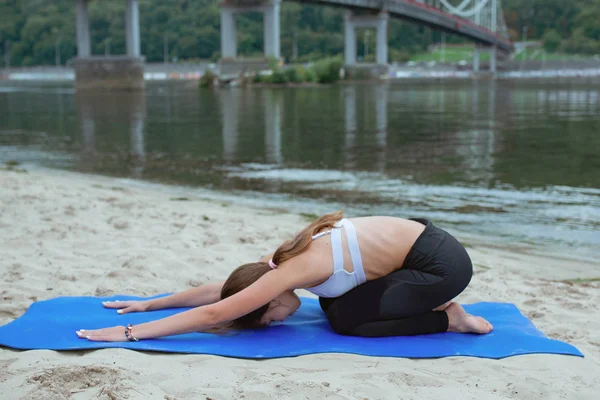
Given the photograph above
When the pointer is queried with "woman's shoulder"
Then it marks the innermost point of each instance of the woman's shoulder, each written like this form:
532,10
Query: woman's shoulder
310,266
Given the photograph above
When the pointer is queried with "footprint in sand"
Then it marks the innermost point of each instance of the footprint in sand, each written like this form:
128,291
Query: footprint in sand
70,278
117,224
102,292
9,314
65,381
109,200
4,373
211,241
69,211
532,303
246,239
13,276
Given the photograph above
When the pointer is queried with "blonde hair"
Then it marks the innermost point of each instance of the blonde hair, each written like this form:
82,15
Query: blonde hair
245,275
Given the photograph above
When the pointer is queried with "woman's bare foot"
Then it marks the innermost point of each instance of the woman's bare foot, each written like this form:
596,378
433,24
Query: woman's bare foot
460,321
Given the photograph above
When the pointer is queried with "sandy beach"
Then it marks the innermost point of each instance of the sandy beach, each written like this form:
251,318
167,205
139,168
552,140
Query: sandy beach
68,234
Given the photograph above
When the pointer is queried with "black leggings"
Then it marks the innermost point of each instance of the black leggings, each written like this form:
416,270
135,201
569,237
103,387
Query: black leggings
436,270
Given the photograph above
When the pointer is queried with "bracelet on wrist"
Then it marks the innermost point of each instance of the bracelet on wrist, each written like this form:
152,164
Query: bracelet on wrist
129,334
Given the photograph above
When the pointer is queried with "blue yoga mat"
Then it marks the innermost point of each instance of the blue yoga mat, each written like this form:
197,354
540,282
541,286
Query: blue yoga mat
51,325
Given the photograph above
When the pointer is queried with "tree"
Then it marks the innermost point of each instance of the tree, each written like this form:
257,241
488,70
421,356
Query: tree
551,41
579,43
589,20
36,29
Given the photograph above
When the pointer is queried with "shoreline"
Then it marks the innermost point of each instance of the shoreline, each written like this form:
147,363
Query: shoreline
396,74
72,234
470,241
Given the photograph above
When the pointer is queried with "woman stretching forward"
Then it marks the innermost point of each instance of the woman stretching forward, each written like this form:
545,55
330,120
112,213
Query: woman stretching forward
387,277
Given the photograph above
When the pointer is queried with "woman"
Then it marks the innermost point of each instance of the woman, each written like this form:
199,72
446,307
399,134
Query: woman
389,276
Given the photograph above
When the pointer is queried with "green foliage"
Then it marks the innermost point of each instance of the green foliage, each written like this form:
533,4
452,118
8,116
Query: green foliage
589,20
34,29
328,69
274,64
358,74
299,74
267,78
323,71
208,79
551,40
310,75
260,78
575,21
399,55
580,43
454,53
293,74
542,55
191,29
279,77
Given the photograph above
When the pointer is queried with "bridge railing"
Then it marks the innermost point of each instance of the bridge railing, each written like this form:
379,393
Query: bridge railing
486,14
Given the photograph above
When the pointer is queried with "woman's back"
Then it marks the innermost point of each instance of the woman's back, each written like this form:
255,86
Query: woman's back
383,241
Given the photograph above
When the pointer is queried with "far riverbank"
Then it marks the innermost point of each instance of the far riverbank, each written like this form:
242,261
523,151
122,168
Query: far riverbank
584,69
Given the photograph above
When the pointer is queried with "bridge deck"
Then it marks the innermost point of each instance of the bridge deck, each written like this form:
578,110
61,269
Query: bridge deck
421,13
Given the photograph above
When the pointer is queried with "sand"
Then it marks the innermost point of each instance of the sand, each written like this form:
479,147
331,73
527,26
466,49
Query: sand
68,234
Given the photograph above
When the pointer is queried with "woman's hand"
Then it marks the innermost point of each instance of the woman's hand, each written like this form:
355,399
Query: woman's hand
128,306
114,334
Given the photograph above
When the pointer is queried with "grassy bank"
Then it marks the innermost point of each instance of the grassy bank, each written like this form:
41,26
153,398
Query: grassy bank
323,71
454,54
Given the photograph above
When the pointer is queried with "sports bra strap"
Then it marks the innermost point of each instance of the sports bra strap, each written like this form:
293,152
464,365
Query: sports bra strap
352,240
338,252
318,235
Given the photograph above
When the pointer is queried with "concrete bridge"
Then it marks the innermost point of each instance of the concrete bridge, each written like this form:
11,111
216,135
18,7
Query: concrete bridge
481,21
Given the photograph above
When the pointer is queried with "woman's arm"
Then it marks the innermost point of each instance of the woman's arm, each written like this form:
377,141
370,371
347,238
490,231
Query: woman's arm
195,297
254,296
261,292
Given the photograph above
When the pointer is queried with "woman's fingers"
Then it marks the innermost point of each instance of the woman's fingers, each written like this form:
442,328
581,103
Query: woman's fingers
87,334
115,334
126,310
116,304
123,307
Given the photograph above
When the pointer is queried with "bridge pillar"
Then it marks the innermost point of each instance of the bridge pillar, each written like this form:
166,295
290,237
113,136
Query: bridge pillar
272,104
132,28
108,72
349,40
230,100
228,33
351,147
83,28
272,35
270,9
493,59
353,22
382,38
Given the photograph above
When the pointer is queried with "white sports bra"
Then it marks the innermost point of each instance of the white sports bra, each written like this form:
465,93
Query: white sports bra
341,280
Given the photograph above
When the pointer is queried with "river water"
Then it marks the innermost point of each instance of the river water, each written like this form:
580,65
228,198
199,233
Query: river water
514,163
